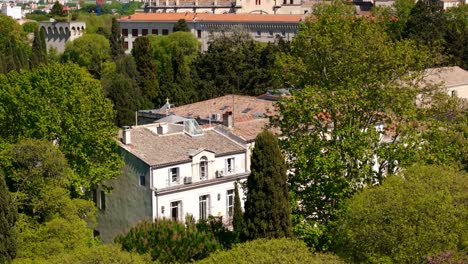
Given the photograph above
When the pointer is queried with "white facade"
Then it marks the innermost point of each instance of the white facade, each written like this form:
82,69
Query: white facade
12,11
171,171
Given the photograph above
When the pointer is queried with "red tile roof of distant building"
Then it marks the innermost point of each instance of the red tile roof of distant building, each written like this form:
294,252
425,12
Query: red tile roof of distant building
213,17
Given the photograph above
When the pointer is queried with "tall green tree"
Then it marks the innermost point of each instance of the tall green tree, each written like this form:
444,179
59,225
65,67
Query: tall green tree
354,86
121,86
229,54
174,55
14,48
40,49
57,9
79,118
8,215
238,214
91,51
146,66
456,37
411,216
267,207
116,40
427,23
180,25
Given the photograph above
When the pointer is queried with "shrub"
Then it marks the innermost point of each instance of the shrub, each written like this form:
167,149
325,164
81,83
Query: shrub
276,251
409,217
169,241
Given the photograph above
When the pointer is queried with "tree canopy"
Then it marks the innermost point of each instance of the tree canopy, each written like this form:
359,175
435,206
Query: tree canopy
283,250
8,215
169,241
412,215
352,82
62,103
91,51
267,208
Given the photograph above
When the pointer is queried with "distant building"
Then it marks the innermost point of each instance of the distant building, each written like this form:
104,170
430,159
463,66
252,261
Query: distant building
230,6
263,28
59,33
171,170
11,10
454,79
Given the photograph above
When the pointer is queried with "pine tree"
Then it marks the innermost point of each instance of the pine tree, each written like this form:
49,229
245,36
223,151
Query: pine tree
143,54
8,215
39,54
116,40
267,208
237,219
181,25
427,22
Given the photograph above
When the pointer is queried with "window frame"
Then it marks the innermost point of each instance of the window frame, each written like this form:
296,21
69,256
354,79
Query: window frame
135,32
174,172
203,168
230,165
230,204
204,206
177,205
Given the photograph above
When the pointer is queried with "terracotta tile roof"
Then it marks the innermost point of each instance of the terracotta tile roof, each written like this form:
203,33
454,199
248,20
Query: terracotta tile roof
448,76
203,17
244,108
172,148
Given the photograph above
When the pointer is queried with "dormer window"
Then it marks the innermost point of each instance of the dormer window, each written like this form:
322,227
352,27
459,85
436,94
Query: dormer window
203,168
230,168
174,175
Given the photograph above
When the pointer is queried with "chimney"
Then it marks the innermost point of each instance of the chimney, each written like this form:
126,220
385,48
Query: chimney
227,119
126,135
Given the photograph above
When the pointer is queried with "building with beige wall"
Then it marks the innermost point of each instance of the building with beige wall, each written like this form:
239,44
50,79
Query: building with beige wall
263,28
229,6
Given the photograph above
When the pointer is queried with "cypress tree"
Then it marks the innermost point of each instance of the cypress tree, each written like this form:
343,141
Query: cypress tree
427,23
116,40
8,215
143,54
39,53
237,219
267,208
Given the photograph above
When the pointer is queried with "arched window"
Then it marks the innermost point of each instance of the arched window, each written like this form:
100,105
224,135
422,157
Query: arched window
203,168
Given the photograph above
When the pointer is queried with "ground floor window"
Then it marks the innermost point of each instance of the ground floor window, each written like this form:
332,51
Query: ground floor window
176,210
204,201
230,204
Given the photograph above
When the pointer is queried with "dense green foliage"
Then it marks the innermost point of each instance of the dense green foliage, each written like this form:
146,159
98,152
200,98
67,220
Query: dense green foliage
120,84
234,63
267,208
169,241
426,22
62,103
39,54
91,51
180,25
271,251
14,49
29,27
57,10
174,55
8,215
146,67
352,78
420,212
116,40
